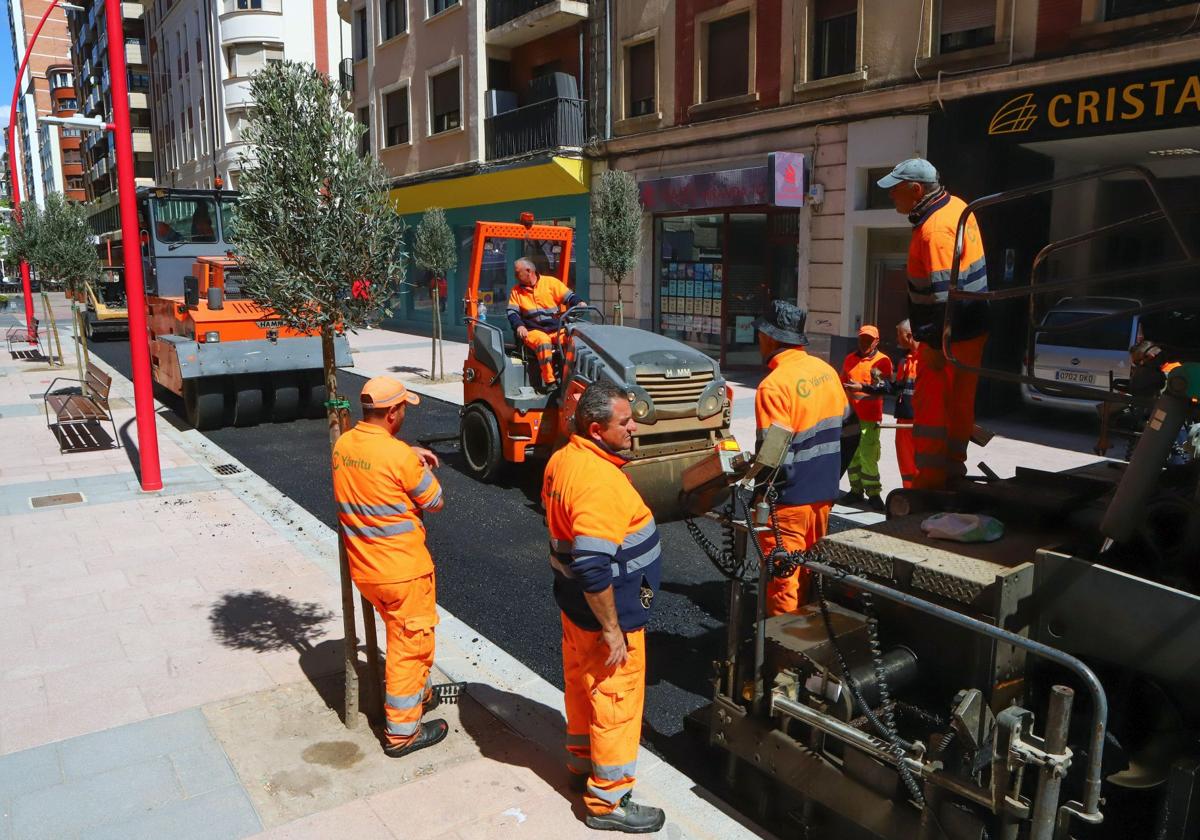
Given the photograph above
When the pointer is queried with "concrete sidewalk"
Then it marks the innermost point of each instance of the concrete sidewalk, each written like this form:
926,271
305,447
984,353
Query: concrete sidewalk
169,665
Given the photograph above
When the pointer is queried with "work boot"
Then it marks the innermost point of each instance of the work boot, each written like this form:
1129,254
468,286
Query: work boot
432,732
876,503
853,498
628,817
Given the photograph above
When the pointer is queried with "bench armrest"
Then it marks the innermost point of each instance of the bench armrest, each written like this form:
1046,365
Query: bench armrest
50,387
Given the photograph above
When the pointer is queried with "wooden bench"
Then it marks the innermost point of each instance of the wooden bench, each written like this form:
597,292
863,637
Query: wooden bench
19,334
90,406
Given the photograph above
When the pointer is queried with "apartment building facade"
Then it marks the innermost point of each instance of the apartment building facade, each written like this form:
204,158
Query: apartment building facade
483,109
93,82
714,100
38,146
202,54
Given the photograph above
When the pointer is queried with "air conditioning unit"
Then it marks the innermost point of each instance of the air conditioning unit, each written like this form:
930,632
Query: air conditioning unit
553,86
499,101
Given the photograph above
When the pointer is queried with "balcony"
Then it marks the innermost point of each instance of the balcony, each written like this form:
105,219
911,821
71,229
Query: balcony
346,74
255,26
138,99
142,141
133,11
511,23
542,126
99,169
134,51
237,94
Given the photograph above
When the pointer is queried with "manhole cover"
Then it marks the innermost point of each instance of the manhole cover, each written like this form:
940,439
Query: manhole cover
57,499
227,469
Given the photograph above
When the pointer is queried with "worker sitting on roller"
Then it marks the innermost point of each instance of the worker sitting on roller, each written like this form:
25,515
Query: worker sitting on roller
804,395
535,308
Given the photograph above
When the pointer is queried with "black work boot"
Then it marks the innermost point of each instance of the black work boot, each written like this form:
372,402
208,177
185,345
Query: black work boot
628,817
852,498
432,732
876,503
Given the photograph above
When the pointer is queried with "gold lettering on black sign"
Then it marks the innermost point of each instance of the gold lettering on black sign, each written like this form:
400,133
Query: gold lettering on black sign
1100,106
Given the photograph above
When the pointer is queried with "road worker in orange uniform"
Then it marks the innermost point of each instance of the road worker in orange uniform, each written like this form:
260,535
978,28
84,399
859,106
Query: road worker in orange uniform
906,380
805,395
382,487
535,308
866,376
604,552
944,397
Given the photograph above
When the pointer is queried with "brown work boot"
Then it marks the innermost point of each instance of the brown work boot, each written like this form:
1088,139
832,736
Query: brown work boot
431,732
628,817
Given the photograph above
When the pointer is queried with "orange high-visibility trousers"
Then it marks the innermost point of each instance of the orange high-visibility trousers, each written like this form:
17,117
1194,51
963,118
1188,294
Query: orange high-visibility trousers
409,612
604,713
542,344
801,527
905,454
944,412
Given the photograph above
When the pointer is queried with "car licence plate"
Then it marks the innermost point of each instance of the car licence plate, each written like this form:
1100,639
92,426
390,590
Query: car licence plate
1075,376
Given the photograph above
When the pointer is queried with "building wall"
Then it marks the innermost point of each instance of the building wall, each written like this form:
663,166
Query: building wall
637,22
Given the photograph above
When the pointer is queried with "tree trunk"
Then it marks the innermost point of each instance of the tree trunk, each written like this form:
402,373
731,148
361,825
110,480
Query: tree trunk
619,309
436,323
77,340
441,342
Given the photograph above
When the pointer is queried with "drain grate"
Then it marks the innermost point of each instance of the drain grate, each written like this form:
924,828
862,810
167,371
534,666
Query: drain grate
57,499
227,469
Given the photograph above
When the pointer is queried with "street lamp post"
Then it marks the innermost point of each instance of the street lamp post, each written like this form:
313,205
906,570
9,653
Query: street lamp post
26,284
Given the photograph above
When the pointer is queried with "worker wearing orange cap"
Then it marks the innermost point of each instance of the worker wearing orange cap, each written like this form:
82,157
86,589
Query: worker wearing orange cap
866,376
535,308
604,552
382,487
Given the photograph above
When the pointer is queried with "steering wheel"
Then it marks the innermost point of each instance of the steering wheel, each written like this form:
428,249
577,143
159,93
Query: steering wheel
578,311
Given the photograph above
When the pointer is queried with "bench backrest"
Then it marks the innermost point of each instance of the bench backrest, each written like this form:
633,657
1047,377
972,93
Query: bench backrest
98,384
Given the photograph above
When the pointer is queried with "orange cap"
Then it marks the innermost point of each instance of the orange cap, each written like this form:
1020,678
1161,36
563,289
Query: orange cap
867,329
383,391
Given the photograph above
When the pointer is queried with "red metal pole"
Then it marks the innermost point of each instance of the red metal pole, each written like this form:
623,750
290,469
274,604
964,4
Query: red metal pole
135,292
26,286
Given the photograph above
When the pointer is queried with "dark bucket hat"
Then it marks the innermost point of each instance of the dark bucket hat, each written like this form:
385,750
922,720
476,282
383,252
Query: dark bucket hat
784,322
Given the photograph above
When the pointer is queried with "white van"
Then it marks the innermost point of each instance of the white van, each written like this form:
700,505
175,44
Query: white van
1085,356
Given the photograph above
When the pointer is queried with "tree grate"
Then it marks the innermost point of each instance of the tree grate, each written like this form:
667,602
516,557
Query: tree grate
227,469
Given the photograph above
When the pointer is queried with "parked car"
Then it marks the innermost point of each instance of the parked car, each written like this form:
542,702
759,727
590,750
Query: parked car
1081,357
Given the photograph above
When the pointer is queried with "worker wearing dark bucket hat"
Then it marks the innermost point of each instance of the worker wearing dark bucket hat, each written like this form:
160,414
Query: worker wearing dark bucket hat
784,322
803,394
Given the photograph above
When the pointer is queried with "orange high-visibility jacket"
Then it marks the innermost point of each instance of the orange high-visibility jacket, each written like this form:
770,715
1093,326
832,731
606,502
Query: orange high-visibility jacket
381,487
906,383
868,404
601,534
930,257
805,395
539,306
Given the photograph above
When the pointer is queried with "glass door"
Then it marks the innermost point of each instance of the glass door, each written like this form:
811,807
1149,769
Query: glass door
747,281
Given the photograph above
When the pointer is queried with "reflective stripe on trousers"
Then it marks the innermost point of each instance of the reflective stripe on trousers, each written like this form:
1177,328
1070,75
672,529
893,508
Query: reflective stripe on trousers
944,413
542,344
863,471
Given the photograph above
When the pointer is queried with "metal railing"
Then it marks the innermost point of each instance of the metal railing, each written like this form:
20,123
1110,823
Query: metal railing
542,126
500,12
346,74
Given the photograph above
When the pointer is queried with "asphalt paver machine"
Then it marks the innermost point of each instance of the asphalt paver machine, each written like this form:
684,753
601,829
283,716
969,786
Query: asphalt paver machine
680,400
1041,686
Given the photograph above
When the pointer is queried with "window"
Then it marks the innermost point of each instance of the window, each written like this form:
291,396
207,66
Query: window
274,55
75,183
444,106
439,6
68,104
244,5
395,105
835,38
360,34
391,13
364,122
727,70
877,197
247,59
966,24
640,63
184,220
1124,8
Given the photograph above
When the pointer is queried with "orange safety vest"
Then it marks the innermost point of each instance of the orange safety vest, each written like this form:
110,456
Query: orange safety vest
381,487
906,383
930,259
805,395
855,368
539,306
601,535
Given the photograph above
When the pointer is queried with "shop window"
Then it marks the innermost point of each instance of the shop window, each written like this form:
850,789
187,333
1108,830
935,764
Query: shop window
966,24
395,106
640,70
364,139
835,38
1125,8
439,6
445,110
691,277
360,34
392,14
727,58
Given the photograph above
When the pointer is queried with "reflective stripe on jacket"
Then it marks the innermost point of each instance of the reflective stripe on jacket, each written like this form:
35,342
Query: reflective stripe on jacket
906,382
380,488
930,258
539,307
601,534
868,404
805,395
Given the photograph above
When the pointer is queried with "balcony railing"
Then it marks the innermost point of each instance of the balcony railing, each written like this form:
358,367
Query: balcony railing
500,12
346,74
542,126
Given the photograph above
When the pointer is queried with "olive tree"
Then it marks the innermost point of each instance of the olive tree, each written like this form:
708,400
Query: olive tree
318,242
616,230
435,251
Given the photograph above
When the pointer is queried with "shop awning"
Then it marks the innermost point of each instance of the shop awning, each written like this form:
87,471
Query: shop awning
539,179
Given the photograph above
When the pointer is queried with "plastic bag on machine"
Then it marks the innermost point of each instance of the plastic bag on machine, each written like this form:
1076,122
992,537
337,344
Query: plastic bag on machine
963,527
